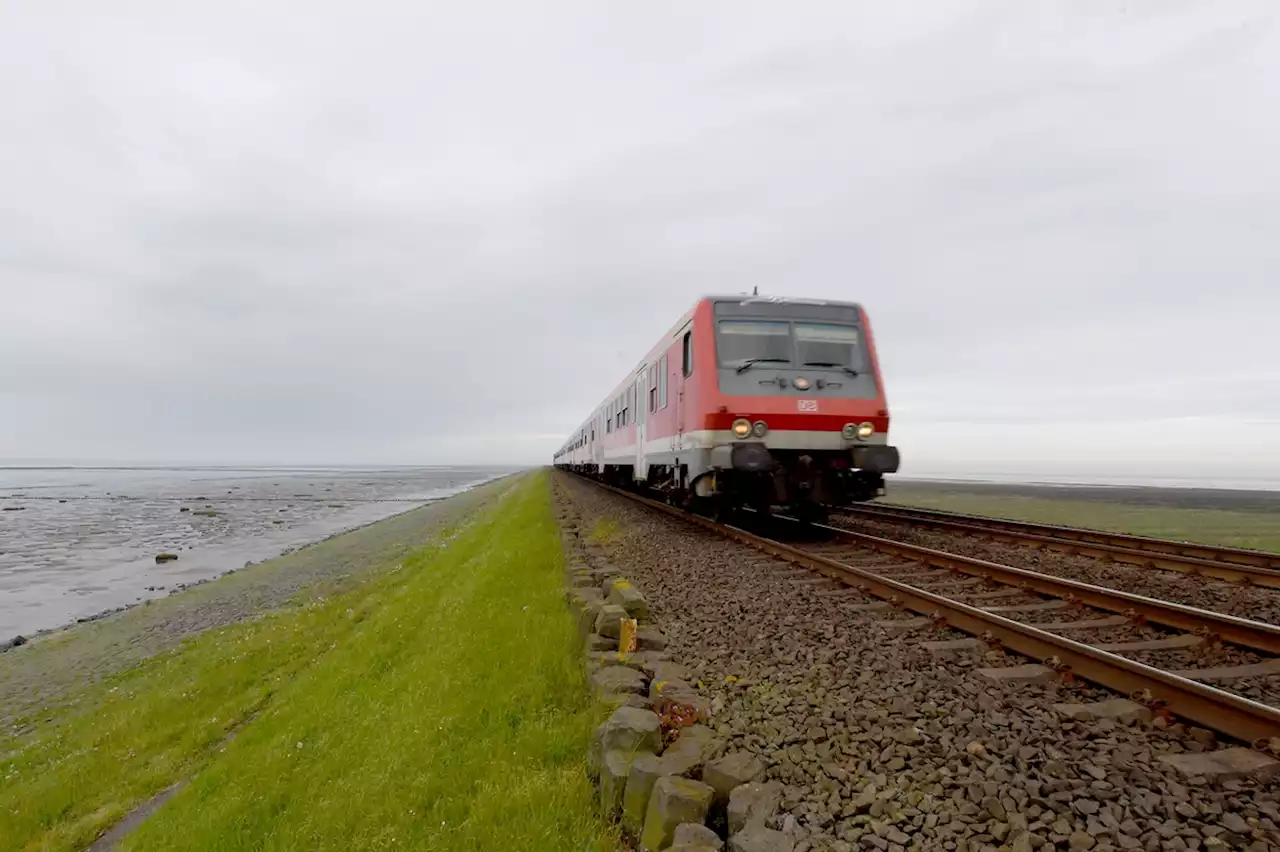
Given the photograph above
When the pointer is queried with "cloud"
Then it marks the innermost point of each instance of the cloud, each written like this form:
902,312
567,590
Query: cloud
418,234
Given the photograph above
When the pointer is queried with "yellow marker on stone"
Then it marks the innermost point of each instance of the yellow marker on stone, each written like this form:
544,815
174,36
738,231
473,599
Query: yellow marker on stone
627,636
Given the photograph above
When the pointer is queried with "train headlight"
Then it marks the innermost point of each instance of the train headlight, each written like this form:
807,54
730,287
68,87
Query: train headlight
850,431
760,429
865,431
801,383
742,427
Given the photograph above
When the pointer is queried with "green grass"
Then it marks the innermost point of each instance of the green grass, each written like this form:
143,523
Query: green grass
438,706
1257,530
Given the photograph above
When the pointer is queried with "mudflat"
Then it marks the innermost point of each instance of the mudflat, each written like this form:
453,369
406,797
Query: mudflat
52,667
77,542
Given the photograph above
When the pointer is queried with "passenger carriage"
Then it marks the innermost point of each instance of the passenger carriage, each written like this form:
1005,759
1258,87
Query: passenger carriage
748,400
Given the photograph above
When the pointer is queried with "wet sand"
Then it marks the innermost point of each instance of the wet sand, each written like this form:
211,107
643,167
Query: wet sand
75,543
39,676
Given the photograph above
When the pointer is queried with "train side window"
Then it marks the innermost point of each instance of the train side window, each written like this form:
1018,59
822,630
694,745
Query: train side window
688,353
662,382
653,388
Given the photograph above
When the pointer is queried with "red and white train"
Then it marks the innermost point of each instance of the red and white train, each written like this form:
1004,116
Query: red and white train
748,400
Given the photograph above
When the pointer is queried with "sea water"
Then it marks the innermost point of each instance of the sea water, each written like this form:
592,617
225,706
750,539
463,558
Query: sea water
77,541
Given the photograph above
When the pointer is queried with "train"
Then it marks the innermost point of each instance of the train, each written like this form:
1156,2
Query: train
749,401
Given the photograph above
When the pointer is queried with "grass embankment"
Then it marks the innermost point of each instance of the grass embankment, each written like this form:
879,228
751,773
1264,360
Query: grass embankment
1257,530
438,706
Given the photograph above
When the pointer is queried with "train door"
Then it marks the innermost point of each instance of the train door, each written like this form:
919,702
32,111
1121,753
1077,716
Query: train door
638,401
597,449
686,367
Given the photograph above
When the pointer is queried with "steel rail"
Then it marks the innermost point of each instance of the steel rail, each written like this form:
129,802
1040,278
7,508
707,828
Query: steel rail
1229,714
1233,564
1257,635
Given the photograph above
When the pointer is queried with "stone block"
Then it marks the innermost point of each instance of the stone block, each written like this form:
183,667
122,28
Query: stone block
1120,709
596,642
695,835
753,804
628,729
650,639
667,686
582,594
611,701
588,612
614,770
618,679
690,752
674,801
609,620
614,658
645,771
726,773
628,597
757,838
1014,675
1225,764
690,703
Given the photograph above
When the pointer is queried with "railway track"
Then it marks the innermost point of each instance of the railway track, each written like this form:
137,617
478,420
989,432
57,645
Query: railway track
1234,565
994,604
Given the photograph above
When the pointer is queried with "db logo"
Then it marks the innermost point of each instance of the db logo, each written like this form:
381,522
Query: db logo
810,405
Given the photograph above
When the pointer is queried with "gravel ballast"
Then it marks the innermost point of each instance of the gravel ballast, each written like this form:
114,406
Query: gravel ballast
1259,604
880,745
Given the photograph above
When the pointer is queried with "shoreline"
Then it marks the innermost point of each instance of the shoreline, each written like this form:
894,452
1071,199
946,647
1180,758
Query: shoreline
321,723
44,632
42,673
86,543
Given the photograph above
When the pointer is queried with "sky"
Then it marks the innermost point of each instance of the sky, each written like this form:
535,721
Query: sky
386,232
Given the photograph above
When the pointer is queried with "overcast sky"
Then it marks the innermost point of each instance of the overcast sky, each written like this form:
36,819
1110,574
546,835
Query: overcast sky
408,232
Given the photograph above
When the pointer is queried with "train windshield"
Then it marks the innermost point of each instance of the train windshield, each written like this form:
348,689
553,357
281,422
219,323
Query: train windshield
744,340
800,344
827,345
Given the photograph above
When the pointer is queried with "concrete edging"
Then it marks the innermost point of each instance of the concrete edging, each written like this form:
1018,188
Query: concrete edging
652,759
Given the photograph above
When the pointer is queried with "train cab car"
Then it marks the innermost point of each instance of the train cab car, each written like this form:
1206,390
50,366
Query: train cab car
749,400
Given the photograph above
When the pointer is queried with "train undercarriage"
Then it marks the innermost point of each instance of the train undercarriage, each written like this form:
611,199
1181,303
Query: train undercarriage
799,483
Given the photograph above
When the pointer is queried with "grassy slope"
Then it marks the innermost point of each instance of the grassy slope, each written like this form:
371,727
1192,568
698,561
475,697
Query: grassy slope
439,706
1259,530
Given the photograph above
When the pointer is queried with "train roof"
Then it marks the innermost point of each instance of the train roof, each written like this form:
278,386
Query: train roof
765,298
